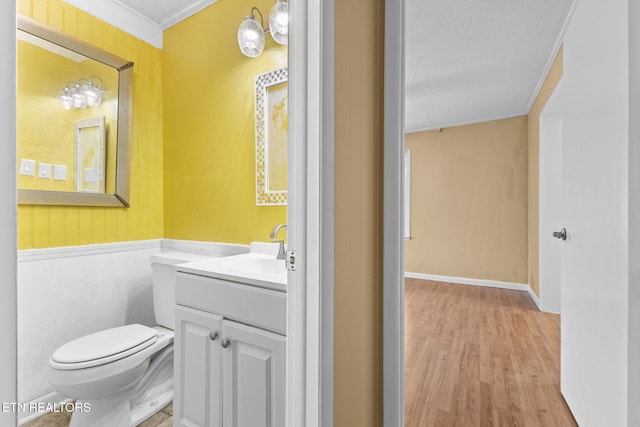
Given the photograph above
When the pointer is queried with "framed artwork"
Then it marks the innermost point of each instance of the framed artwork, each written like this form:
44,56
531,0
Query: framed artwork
272,126
90,155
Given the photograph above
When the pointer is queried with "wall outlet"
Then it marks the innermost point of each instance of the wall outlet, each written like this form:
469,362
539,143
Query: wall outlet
27,167
44,170
60,172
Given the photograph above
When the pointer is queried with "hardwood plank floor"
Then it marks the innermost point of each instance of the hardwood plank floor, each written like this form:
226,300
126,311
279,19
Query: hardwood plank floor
477,356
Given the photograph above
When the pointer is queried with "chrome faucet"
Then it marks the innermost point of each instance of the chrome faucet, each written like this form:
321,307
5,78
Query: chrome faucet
274,238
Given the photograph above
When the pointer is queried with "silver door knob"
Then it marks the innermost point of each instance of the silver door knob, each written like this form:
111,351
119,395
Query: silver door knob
225,343
213,335
562,234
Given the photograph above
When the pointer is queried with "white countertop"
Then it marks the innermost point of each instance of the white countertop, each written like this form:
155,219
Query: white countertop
255,269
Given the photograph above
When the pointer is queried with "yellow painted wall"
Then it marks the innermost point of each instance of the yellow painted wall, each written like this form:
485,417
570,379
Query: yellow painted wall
43,226
469,201
209,128
552,79
358,213
45,130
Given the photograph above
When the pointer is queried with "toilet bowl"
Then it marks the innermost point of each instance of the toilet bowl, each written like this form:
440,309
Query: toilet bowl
122,376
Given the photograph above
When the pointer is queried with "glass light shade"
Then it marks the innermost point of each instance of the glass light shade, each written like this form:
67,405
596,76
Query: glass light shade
65,100
92,94
279,22
79,101
251,37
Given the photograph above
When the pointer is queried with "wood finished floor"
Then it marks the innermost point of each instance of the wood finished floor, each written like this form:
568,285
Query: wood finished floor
164,418
477,356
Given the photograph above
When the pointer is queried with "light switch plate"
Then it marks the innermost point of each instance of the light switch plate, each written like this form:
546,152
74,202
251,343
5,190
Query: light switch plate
90,175
44,170
59,172
27,167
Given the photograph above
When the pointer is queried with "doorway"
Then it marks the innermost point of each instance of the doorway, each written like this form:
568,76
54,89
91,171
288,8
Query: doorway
312,46
394,284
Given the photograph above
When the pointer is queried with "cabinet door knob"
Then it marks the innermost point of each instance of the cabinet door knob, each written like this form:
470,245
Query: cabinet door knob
213,335
225,343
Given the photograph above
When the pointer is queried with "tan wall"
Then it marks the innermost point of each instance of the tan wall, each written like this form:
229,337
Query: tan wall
358,213
469,201
552,79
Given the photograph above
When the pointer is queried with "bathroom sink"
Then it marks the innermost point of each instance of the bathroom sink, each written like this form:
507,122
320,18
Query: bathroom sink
257,268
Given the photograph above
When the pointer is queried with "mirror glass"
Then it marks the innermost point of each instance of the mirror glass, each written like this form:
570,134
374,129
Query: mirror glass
73,107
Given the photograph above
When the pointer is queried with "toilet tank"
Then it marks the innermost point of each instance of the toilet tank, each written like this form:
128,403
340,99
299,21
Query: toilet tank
164,283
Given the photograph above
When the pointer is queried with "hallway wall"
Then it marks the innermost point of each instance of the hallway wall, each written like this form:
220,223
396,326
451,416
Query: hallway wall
469,201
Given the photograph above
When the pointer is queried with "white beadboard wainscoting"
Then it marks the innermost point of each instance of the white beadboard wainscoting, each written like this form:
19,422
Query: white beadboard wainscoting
68,292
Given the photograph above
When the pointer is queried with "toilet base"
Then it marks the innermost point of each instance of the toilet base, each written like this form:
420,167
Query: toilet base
146,409
132,406
119,411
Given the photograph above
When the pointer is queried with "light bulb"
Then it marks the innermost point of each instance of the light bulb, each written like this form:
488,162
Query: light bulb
251,37
92,94
279,22
65,100
78,99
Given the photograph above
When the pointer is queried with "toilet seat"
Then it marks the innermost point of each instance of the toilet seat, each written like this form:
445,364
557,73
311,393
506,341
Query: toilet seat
103,347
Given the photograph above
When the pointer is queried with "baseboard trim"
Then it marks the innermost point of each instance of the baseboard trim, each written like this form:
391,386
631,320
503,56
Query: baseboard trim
27,255
534,297
469,281
52,398
477,282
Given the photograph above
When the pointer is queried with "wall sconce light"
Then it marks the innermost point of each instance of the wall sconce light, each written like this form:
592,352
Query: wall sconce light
81,94
251,33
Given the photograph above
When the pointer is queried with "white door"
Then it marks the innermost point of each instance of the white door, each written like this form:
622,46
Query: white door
254,377
550,209
197,367
595,274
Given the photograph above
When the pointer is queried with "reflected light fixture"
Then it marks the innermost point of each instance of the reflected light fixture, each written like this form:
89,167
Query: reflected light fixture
251,34
81,94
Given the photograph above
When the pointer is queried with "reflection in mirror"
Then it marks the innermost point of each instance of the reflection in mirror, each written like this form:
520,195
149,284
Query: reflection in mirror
50,133
73,123
90,142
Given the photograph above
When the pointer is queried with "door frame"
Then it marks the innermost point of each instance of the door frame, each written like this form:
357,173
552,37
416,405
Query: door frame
8,227
310,213
393,215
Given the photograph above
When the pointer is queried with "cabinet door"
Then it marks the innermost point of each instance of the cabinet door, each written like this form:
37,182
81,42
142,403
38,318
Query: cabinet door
253,377
197,369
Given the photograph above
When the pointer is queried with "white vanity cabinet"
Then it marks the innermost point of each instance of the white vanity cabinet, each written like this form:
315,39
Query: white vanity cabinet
230,354
197,374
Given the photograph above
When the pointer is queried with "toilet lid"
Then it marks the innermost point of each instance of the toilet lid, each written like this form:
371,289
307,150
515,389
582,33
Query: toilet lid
105,346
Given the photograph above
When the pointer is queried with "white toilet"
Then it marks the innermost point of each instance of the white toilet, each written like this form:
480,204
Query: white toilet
123,374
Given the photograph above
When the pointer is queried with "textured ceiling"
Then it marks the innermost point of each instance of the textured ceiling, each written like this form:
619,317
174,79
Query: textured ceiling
164,13
145,19
469,61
